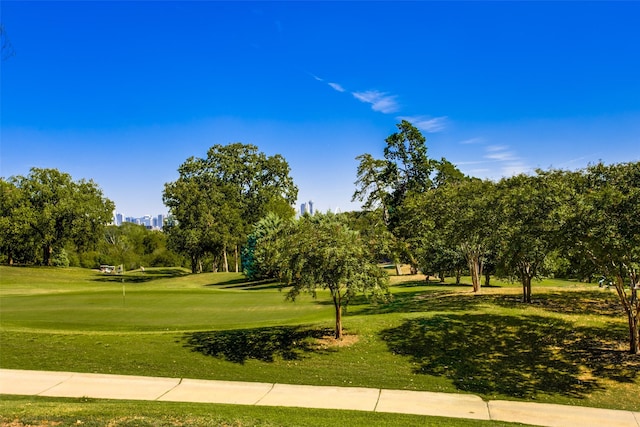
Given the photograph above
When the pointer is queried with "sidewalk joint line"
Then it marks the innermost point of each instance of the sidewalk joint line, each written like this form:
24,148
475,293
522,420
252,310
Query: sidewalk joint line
257,402
487,402
636,418
375,408
171,389
72,374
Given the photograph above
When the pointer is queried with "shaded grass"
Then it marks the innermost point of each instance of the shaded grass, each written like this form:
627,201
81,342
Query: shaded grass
264,344
99,413
515,356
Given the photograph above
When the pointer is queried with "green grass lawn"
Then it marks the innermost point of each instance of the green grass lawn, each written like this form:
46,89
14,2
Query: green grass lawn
98,413
568,347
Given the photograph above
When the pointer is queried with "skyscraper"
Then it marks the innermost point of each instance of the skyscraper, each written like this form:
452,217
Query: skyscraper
303,208
310,207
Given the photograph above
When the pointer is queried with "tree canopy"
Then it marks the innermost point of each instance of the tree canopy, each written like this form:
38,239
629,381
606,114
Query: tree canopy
47,209
216,200
322,252
390,183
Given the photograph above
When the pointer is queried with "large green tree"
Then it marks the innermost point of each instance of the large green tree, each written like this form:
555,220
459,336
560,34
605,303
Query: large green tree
459,215
216,200
602,224
386,184
527,227
322,252
260,255
16,241
50,210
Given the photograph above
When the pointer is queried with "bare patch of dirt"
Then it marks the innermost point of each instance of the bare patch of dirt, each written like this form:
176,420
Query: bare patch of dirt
328,341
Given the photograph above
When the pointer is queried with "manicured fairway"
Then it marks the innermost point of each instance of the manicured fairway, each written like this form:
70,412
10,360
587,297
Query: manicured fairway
567,347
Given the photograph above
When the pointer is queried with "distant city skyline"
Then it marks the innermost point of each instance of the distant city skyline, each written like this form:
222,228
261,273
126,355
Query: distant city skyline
150,221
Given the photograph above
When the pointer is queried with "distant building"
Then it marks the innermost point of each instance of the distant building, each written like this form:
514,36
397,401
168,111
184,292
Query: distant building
158,222
307,208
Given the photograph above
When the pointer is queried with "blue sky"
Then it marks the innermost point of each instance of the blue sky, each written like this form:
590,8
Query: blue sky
124,92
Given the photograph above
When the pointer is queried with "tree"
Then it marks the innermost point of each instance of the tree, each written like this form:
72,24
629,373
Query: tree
371,187
260,254
527,227
602,224
321,252
461,215
54,210
216,200
384,184
16,241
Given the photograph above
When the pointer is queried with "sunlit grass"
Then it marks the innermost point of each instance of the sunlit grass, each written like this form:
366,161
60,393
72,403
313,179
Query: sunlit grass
99,413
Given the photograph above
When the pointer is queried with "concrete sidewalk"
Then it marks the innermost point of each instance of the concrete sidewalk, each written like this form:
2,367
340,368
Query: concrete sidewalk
69,384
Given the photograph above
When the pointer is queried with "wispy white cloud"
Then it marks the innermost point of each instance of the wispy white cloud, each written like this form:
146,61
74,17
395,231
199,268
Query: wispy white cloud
515,168
477,140
502,156
380,101
336,86
496,148
510,163
427,124
478,162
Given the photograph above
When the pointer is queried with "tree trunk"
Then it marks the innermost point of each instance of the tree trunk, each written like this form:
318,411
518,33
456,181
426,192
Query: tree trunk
225,261
634,338
46,254
398,269
526,288
338,307
458,274
632,308
474,269
195,262
441,274
487,277
235,249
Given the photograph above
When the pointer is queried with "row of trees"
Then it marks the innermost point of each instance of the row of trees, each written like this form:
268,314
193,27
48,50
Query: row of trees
582,223
48,218
236,204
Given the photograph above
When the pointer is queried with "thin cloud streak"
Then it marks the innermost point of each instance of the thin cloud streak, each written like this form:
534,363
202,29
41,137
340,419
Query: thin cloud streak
510,163
477,140
427,124
336,86
380,101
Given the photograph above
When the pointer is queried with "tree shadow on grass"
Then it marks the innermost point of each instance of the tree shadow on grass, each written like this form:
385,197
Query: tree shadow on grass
418,301
142,276
264,344
596,302
514,356
568,302
248,284
123,278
